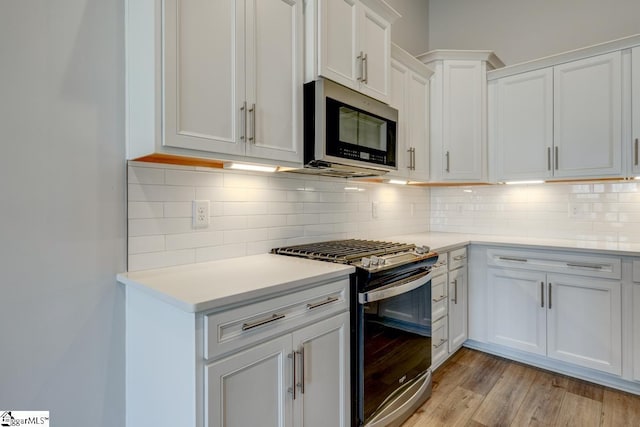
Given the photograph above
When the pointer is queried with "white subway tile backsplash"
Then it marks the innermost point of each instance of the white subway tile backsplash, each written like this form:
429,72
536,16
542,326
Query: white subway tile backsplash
146,210
192,178
193,240
138,175
142,244
178,209
157,226
151,260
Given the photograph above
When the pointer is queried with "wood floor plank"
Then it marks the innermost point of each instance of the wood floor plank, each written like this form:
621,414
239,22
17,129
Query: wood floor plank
454,410
620,409
486,372
579,411
505,398
541,405
475,389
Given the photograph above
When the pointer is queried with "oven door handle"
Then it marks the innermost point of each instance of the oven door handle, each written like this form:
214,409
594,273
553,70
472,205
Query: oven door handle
396,288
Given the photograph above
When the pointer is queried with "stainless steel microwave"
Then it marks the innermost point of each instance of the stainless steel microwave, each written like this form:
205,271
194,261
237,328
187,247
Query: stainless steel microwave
347,133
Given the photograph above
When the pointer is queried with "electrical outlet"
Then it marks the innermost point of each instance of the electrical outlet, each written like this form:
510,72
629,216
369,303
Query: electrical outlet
200,213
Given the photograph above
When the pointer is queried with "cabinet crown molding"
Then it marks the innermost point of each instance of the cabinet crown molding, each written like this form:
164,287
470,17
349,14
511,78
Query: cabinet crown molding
383,9
564,57
465,55
410,61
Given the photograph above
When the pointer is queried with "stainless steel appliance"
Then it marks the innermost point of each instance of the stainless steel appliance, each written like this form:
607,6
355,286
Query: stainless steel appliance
390,325
346,133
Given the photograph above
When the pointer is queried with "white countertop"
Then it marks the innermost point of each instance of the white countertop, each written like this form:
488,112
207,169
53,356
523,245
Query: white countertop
442,242
203,286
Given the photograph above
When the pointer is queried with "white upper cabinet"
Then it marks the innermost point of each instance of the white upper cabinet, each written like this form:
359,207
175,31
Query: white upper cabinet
523,138
567,116
459,114
410,96
635,89
588,117
230,76
349,42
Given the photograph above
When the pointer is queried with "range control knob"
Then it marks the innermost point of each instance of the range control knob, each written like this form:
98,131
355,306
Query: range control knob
422,250
365,262
374,260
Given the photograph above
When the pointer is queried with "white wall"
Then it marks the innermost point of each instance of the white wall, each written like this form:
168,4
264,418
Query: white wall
524,30
594,213
253,213
62,209
411,31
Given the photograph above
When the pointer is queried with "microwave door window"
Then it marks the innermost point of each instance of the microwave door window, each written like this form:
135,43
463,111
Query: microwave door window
372,132
348,131
362,129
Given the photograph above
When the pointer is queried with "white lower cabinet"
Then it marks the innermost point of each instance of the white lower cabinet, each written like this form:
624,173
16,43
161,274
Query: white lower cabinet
300,379
636,319
279,361
574,319
457,308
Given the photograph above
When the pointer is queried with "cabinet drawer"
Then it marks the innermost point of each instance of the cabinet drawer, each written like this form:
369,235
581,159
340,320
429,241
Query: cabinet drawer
556,262
439,338
440,267
636,271
229,330
457,258
439,297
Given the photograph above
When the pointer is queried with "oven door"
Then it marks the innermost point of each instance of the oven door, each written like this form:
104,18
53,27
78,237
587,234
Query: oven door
395,349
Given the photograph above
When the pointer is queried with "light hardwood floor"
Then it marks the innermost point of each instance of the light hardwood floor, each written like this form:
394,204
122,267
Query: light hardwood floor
477,389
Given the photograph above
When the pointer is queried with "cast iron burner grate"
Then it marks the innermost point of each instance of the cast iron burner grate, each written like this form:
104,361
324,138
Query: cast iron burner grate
343,251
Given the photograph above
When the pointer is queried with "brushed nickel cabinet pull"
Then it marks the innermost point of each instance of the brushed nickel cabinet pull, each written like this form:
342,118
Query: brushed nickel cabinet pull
440,343
292,389
549,295
455,291
636,152
447,156
591,266
301,383
329,300
508,258
556,158
243,116
459,257
252,111
439,298
542,294
273,318
365,66
361,62
548,158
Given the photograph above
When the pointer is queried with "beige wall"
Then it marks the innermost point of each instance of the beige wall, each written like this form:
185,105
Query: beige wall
520,30
411,31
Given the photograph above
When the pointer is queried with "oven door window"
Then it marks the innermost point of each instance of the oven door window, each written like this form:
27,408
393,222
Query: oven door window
396,345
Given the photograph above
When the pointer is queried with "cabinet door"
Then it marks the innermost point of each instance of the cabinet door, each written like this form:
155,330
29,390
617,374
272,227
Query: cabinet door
418,111
398,99
457,308
588,117
274,79
463,131
337,42
323,397
636,331
517,317
523,131
250,388
635,100
375,42
204,63
584,322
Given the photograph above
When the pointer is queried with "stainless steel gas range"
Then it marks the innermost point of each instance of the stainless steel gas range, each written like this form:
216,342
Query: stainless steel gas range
390,325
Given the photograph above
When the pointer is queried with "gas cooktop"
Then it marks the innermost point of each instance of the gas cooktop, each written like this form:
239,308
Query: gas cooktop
366,254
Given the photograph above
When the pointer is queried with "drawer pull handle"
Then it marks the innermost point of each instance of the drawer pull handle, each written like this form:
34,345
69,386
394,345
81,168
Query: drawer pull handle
440,344
273,318
508,258
292,389
440,298
329,300
455,293
592,266
459,257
